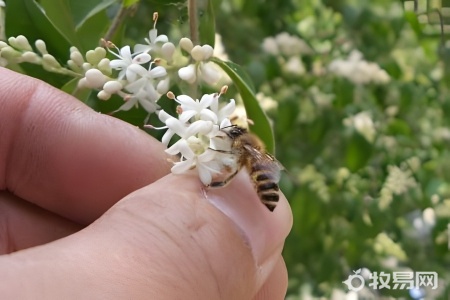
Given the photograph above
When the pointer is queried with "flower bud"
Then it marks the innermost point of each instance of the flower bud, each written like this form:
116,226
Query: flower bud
112,86
100,52
49,61
40,45
10,53
91,57
207,51
197,53
22,43
186,44
86,66
74,67
104,66
167,51
31,57
163,86
94,78
102,95
82,83
77,58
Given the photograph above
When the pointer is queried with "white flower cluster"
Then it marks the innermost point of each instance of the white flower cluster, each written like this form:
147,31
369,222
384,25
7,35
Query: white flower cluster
363,123
143,81
198,127
358,70
19,50
398,182
140,75
288,49
285,44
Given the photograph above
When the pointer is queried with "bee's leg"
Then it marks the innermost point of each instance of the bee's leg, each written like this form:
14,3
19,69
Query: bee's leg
217,184
221,151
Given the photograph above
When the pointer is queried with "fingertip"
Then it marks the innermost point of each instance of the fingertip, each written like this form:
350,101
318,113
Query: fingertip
275,286
265,230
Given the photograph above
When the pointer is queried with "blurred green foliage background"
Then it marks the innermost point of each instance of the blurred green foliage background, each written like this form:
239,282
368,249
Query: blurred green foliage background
358,96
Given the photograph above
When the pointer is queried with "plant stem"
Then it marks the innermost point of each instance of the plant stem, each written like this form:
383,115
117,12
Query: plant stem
193,22
120,16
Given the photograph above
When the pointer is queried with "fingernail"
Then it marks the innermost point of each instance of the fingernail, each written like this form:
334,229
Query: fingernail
265,231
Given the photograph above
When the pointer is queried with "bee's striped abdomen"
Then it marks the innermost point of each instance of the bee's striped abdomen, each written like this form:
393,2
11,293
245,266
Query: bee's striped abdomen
266,184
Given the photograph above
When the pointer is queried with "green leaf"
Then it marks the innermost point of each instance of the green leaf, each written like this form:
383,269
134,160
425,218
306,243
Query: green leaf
262,126
83,10
128,3
358,152
92,30
58,11
411,17
207,27
26,17
82,22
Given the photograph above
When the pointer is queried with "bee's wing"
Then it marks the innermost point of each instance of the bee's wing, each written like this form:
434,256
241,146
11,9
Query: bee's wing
272,164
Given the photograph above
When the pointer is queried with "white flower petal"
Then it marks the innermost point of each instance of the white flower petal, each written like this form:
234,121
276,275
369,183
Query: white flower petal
142,58
186,101
128,104
214,106
182,166
208,115
163,116
117,64
136,86
149,105
200,126
186,115
141,48
225,123
209,73
207,100
167,136
181,146
158,72
178,127
138,69
208,155
188,73
205,175
227,109
152,34
125,52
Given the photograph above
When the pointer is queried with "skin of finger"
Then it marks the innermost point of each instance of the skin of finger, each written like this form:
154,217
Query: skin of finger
24,225
165,241
59,154
275,286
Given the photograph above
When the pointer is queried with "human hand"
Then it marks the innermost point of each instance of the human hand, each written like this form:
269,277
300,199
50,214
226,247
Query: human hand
89,202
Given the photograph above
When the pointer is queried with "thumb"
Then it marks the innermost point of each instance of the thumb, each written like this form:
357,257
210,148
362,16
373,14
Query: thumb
171,240
226,250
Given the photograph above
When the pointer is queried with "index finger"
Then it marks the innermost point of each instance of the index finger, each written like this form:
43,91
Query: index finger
61,155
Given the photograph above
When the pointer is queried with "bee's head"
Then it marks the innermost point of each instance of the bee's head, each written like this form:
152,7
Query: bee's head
234,131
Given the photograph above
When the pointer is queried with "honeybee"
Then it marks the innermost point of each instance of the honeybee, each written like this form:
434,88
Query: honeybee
262,167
